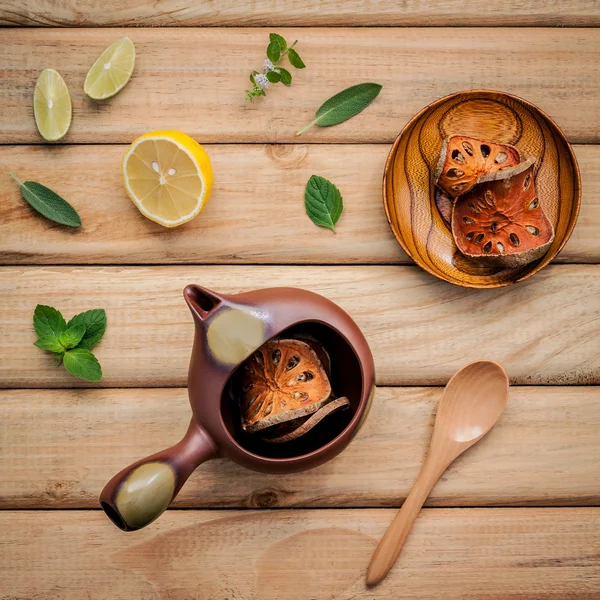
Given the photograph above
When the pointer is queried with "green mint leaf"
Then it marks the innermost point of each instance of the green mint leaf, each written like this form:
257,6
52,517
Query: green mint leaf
94,322
286,76
49,342
83,364
274,51
274,77
344,105
295,59
72,335
252,79
48,203
48,321
275,37
323,202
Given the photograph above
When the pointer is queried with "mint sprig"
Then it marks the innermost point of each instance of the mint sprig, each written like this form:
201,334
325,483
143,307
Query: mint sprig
272,71
71,342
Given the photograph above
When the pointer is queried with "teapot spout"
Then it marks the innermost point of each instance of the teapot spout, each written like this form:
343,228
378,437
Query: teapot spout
201,301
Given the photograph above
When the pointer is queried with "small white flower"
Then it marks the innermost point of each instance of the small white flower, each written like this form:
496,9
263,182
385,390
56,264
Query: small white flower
261,81
269,66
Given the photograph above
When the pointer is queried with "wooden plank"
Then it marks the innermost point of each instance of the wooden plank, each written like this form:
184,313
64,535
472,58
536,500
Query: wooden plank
238,225
421,330
339,13
193,79
59,447
466,554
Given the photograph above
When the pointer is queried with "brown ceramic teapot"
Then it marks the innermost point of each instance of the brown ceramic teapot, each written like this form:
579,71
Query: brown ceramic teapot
228,330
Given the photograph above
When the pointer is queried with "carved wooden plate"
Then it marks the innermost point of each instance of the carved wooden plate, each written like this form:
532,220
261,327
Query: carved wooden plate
422,229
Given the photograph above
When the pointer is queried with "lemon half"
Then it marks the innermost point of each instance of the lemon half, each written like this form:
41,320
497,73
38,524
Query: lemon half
111,71
168,176
52,105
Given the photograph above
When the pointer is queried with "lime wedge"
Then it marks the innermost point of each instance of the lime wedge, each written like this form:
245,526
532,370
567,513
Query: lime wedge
111,71
51,105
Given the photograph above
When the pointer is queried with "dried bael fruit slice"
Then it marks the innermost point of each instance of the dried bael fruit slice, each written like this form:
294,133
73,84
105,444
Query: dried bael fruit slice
502,222
444,205
292,430
466,161
281,381
319,350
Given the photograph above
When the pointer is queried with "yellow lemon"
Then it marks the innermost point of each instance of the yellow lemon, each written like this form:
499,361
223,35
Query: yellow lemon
111,71
51,105
168,176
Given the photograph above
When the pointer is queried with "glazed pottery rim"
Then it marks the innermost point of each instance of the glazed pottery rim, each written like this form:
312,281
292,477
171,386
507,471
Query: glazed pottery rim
547,258
349,430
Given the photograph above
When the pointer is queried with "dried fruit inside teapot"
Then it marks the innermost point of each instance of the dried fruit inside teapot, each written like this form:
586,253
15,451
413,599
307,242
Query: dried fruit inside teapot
284,389
502,221
466,161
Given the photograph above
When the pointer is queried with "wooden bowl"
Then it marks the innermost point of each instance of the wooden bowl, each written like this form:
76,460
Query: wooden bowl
409,192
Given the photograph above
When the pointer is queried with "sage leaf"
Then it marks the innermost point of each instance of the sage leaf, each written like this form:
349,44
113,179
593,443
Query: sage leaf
83,364
48,203
49,342
274,51
295,59
344,105
94,322
71,336
275,37
286,76
48,321
323,202
274,77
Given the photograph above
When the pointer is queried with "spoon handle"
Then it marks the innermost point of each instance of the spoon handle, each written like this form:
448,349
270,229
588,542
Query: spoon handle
392,541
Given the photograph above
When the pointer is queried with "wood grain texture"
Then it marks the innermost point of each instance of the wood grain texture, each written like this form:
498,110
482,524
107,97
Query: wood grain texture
238,225
59,446
421,330
81,438
226,13
194,79
466,554
409,191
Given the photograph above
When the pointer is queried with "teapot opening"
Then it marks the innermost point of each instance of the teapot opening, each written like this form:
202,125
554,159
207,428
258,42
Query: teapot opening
113,515
200,300
346,379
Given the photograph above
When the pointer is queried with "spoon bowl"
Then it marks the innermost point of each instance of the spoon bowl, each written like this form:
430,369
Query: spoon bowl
472,402
470,406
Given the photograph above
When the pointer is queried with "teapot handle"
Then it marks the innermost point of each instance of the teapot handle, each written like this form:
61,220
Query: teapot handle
141,492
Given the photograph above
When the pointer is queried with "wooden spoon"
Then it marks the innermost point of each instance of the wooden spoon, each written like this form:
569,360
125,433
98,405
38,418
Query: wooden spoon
470,406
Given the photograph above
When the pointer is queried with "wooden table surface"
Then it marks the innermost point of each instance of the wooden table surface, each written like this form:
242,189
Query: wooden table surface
516,517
